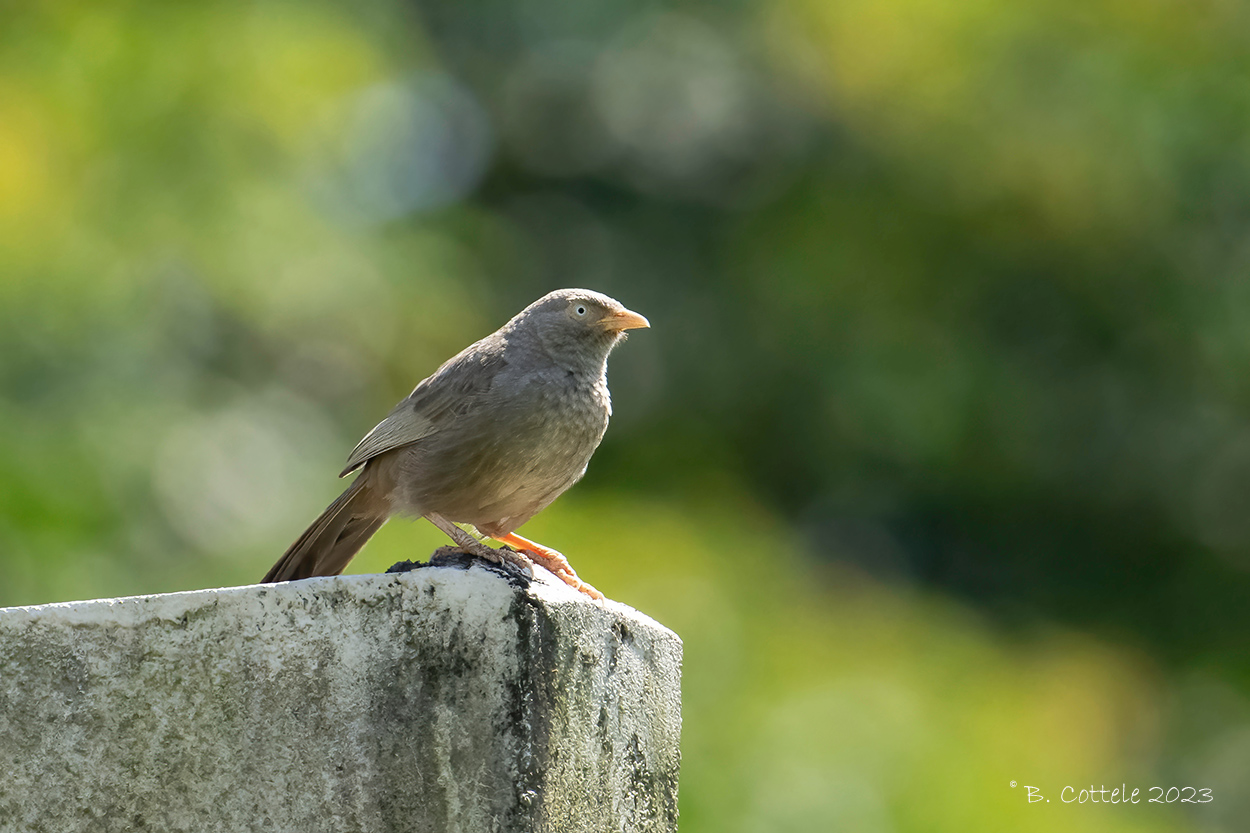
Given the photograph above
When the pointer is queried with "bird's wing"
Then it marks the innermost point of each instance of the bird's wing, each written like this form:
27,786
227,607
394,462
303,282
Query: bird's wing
452,391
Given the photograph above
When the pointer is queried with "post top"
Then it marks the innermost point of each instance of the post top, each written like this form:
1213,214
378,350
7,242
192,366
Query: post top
471,582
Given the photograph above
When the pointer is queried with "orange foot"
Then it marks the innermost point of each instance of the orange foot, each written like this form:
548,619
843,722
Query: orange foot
551,560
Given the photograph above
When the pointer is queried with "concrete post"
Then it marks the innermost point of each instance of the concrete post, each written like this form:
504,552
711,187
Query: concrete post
444,699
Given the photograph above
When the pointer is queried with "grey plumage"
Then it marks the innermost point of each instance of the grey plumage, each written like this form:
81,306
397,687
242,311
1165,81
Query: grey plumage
490,439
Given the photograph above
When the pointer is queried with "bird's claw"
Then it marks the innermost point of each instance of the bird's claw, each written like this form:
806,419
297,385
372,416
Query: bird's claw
502,556
516,559
556,564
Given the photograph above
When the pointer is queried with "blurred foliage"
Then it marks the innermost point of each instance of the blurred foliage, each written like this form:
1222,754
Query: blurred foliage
937,454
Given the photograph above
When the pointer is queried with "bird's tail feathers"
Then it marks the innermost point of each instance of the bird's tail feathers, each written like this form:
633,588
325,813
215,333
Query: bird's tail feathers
339,532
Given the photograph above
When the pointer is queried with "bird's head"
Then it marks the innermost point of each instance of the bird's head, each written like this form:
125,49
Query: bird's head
578,327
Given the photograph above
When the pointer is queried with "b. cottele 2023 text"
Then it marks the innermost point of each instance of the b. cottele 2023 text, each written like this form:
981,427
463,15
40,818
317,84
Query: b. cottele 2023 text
1122,795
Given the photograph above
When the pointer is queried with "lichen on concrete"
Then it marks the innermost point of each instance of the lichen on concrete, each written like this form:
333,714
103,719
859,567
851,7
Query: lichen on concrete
442,699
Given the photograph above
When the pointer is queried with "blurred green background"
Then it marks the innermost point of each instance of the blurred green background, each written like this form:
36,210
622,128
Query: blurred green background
937,455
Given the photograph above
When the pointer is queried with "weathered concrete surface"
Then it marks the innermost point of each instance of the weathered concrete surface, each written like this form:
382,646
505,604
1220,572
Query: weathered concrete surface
444,699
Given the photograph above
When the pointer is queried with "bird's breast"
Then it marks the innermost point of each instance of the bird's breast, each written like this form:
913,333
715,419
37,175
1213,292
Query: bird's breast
512,454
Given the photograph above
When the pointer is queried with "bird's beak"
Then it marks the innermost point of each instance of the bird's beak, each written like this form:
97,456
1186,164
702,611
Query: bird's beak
624,320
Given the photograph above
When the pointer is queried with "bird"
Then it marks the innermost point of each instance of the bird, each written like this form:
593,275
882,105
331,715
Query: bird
487,441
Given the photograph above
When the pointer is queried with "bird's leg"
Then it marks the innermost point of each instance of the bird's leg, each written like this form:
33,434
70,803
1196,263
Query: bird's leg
473,546
551,560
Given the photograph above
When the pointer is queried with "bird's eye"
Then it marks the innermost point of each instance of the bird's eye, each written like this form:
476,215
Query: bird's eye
581,310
